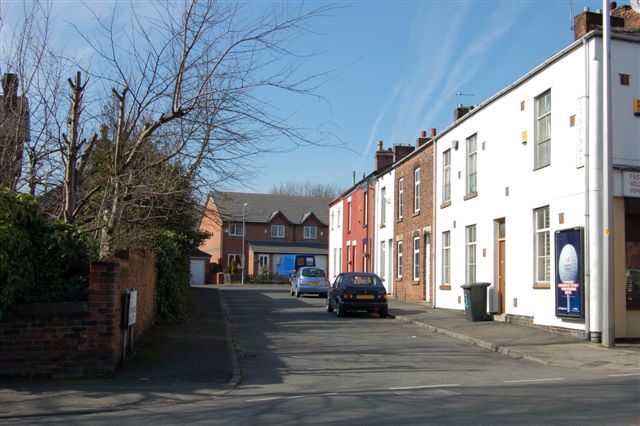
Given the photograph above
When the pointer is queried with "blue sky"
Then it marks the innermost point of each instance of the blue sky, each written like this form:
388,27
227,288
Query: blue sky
396,68
402,64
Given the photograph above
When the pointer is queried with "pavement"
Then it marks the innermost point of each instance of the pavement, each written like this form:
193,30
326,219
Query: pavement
197,361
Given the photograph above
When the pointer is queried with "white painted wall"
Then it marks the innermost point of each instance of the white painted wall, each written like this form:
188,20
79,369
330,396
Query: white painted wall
385,232
506,164
336,212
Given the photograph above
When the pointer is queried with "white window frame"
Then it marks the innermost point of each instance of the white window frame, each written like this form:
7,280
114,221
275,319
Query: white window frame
470,254
310,232
542,151
472,164
400,197
542,245
236,230
365,219
275,231
349,217
416,190
383,259
446,257
383,206
416,258
446,176
399,259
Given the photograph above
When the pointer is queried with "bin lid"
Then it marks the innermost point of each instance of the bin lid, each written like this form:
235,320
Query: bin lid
469,285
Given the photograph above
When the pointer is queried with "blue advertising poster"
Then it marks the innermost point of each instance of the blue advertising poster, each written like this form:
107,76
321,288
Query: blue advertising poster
569,273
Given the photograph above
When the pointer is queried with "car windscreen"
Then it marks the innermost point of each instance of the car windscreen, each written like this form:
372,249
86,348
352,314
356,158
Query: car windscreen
312,272
364,280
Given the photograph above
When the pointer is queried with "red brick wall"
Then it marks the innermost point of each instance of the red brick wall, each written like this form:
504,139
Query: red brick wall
58,343
414,224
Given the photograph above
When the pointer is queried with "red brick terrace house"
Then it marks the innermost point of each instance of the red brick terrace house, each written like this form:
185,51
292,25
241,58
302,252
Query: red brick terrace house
276,225
414,224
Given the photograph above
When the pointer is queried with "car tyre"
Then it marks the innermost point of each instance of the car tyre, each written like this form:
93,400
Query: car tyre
328,306
384,313
339,310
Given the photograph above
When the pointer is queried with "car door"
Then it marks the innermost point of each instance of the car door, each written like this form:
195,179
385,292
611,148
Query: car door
333,291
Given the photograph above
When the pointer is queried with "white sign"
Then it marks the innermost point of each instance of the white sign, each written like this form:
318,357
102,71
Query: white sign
133,300
631,184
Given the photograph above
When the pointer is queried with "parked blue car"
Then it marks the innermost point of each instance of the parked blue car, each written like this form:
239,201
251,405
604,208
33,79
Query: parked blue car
309,280
357,291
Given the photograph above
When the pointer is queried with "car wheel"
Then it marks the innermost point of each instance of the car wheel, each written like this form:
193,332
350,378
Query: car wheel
339,310
328,305
384,313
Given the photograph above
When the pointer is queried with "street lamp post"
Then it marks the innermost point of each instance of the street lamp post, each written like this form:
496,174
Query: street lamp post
243,234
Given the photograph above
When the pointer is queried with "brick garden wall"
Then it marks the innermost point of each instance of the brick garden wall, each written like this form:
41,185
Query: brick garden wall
76,339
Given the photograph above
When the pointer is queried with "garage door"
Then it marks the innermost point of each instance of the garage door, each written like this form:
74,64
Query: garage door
197,272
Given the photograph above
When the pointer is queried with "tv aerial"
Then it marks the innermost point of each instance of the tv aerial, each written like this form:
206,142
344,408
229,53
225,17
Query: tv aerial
458,95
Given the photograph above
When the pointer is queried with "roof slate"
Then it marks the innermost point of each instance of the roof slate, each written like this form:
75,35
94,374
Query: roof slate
262,207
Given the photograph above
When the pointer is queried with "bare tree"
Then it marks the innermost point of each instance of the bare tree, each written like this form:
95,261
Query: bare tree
184,92
307,188
194,84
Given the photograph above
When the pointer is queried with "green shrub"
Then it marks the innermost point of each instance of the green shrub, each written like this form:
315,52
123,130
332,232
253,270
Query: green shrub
173,295
40,260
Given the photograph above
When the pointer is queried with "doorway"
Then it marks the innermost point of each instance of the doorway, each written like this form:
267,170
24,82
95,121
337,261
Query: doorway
501,261
427,266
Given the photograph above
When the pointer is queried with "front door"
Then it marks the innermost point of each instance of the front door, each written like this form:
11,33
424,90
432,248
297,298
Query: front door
502,279
427,265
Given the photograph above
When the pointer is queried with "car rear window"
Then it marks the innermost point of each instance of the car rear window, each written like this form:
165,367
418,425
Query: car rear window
312,272
364,280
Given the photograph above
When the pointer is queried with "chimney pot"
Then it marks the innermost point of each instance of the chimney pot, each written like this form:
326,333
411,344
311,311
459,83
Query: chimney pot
433,132
379,145
424,134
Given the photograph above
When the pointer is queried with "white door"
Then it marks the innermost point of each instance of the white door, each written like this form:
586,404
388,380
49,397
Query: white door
197,271
427,265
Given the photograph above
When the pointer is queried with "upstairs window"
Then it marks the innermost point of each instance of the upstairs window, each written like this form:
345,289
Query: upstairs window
400,197
416,192
236,230
472,156
543,130
310,232
383,206
446,176
277,231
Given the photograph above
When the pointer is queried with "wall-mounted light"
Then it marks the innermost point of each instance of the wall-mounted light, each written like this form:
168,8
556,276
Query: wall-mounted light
636,107
524,137
454,144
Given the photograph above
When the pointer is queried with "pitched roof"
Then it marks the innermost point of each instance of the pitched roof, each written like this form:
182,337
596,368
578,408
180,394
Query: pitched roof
261,208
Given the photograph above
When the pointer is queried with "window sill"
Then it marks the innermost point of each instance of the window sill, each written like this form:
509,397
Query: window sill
541,167
541,286
445,287
470,195
399,220
416,214
445,204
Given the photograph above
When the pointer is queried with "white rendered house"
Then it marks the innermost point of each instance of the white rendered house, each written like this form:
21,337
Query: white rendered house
384,228
519,178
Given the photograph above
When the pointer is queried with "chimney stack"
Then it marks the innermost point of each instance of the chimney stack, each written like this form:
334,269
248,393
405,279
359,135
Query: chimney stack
461,111
383,158
622,18
424,139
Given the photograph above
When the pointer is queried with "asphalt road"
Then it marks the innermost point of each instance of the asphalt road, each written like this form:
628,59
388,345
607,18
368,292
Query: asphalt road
302,365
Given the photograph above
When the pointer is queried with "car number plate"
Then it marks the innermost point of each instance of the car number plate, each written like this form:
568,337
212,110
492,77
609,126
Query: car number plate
364,296
314,282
